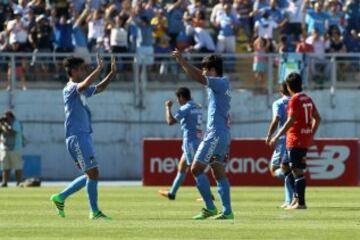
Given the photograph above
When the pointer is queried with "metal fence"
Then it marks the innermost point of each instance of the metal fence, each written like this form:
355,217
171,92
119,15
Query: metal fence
45,71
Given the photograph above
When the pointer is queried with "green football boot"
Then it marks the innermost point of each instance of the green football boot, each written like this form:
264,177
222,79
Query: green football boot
59,204
222,216
205,213
98,215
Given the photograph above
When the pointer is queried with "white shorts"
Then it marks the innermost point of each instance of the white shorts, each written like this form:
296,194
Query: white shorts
10,160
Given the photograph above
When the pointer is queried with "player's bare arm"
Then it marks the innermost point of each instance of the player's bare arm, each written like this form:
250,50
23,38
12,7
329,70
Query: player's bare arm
105,82
192,71
283,130
272,128
316,122
169,117
93,76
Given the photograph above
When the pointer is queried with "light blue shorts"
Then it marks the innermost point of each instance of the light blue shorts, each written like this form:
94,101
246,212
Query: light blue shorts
214,148
259,67
279,154
81,150
189,149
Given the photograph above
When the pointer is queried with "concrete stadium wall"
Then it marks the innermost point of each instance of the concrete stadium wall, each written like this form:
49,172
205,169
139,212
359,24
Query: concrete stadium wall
119,127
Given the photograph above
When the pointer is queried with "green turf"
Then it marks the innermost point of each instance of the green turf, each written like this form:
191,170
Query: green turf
139,213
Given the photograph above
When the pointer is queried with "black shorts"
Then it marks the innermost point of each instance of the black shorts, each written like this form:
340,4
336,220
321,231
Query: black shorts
296,157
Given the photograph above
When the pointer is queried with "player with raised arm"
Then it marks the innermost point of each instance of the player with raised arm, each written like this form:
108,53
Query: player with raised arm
279,166
214,148
78,130
190,118
300,128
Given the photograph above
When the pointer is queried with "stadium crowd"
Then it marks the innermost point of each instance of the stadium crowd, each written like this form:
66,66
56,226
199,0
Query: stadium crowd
145,27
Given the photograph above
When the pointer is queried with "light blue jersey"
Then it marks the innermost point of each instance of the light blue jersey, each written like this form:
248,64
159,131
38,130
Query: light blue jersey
215,146
190,118
279,109
77,112
219,104
78,126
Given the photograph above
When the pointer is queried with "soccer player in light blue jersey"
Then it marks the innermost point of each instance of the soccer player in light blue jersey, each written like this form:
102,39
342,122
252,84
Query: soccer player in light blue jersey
190,118
279,166
78,130
214,149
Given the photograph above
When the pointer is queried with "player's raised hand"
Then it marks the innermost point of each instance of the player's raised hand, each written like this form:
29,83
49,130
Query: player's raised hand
168,103
100,61
177,54
113,65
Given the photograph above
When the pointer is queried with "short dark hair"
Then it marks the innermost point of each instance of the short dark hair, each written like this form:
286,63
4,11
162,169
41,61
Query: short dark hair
215,62
294,82
183,92
283,89
71,63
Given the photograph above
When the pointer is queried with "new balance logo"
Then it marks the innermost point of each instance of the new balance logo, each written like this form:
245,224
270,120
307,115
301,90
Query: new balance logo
327,164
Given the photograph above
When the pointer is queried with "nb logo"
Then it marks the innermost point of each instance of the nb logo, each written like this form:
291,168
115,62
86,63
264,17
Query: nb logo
329,163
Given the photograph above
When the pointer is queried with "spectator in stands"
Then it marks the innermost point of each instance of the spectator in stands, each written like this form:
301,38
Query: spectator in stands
261,47
4,41
160,25
316,19
227,24
243,9
352,41
41,34
258,7
317,41
336,44
199,19
352,15
336,17
185,38
175,13
264,28
96,28
11,145
303,46
196,6
219,9
203,41
39,6
119,35
63,29
283,46
17,30
274,12
295,13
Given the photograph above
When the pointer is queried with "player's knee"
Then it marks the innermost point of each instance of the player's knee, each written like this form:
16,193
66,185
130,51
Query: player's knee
93,174
195,170
285,168
297,172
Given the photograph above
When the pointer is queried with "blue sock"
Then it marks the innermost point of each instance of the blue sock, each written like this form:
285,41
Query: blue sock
223,186
91,186
73,187
180,177
289,187
300,185
203,185
279,173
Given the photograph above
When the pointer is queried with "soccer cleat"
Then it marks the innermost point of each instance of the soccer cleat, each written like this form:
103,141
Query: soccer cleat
222,216
166,194
59,204
205,213
98,215
201,199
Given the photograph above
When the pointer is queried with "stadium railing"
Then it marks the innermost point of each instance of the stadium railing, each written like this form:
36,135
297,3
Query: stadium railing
328,71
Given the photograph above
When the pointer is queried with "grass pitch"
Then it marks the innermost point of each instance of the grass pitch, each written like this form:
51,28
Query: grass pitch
140,213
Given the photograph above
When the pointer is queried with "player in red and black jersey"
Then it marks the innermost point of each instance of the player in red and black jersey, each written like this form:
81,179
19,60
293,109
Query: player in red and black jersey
301,125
